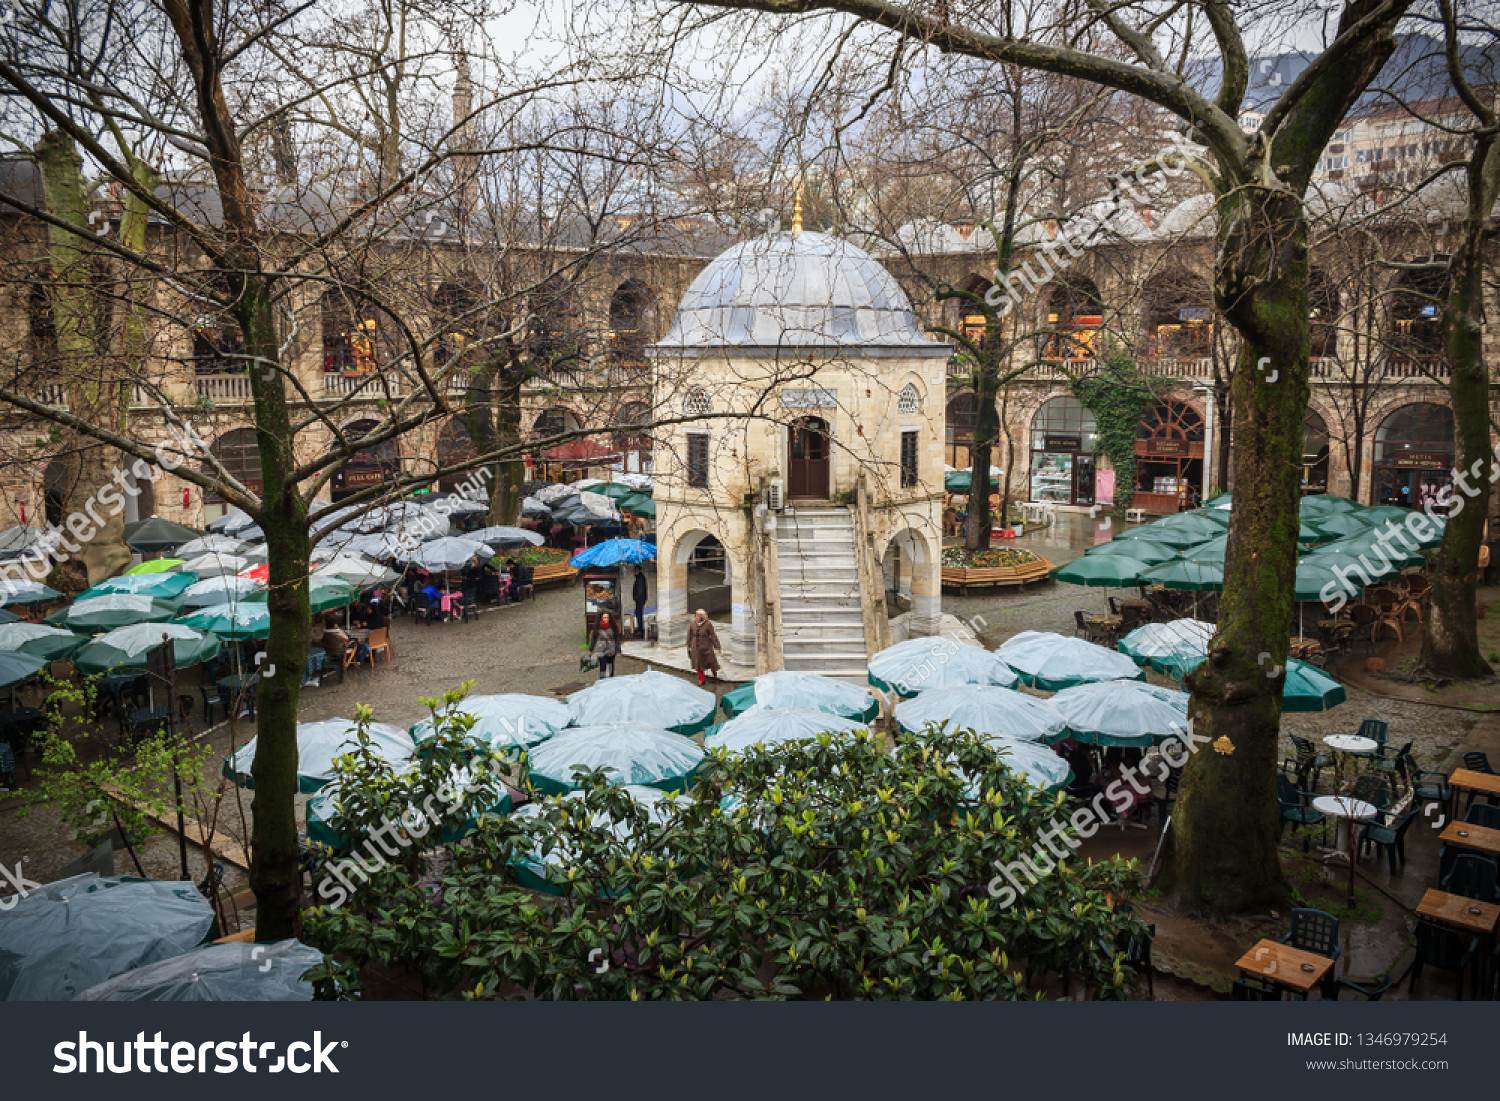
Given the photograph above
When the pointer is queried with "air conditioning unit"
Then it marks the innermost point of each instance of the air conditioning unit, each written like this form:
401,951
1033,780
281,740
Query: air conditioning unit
774,495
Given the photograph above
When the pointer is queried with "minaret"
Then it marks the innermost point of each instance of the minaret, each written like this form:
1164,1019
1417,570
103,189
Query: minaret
797,208
466,188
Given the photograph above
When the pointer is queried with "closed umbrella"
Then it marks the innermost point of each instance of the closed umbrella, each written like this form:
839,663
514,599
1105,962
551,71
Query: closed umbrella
20,593
155,565
502,537
769,727
319,745
211,544
1051,662
649,697
449,553
1125,713
236,622
544,867
39,640
1308,688
217,973
920,664
104,613
508,721
154,534
636,752
126,649
163,586
785,689
614,552
61,939
215,565
226,589
1157,644
18,668
986,711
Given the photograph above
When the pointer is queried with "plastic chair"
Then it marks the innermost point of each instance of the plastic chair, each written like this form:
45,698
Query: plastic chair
1246,990
1292,809
1081,628
1483,815
1472,876
1429,786
1443,948
1138,956
1308,759
380,642
1389,836
212,698
1371,994
1377,731
1317,932
1372,788
1476,761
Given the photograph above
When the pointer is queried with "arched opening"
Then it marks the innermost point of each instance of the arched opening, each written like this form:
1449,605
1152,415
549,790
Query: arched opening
1063,437
567,461
1075,317
57,488
351,334
960,418
41,331
555,322
708,575
971,321
1324,315
1416,330
1314,453
368,467
1414,453
238,451
454,446
635,446
218,344
1179,317
632,322
1169,457
809,469
456,312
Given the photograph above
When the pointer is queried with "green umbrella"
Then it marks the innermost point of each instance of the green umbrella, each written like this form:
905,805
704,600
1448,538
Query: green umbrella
639,505
126,649
9,617
319,745
1392,531
1212,551
545,866
324,593
615,491
1308,688
1113,571
156,565
1319,574
155,534
1185,574
1141,550
507,723
784,689
1179,536
638,753
236,622
1322,504
104,613
17,668
1340,525
22,592
1221,499
163,586
959,481
1125,713
39,640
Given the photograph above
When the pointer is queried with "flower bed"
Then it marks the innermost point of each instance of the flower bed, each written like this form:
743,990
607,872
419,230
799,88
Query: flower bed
547,563
963,569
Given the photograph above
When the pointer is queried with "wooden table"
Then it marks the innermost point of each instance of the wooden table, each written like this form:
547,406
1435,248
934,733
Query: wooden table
1453,911
1479,838
1282,965
1464,779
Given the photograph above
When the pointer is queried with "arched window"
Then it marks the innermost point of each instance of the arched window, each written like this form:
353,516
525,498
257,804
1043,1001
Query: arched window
1075,314
554,422
456,314
1063,435
454,446
632,321
961,415
218,344
1171,420
1414,454
1314,453
350,334
697,403
238,451
1416,326
908,401
1179,317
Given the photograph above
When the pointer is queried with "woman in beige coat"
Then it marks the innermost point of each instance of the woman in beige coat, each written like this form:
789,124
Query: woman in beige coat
702,643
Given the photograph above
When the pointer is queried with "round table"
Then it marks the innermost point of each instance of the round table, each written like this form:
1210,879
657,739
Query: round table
1351,743
1346,810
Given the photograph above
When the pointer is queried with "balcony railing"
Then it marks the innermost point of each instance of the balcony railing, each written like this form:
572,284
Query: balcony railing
223,389
617,376
366,386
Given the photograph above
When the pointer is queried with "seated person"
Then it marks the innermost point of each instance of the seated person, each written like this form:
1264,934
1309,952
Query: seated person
375,619
335,640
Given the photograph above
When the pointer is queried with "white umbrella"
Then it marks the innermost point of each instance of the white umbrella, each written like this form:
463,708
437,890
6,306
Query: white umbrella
1051,661
550,495
213,565
226,589
449,553
357,570
987,710
503,536
210,544
1122,712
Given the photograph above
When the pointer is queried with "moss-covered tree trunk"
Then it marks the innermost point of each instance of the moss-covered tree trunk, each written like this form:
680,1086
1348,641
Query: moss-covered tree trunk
492,415
986,430
1450,640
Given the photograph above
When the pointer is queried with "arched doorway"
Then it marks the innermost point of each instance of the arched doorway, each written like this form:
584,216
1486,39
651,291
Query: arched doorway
1063,435
1314,453
808,473
1414,453
1075,315
1169,457
961,417
238,451
454,446
632,321
57,487
369,467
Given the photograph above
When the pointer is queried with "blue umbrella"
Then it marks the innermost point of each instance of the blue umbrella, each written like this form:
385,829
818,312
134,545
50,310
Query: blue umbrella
217,973
614,552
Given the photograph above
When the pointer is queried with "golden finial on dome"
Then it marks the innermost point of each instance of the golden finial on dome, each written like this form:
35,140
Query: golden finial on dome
797,208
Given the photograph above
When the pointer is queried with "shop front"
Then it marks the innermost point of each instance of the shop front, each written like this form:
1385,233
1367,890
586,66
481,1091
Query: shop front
1414,455
1169,458
1063,437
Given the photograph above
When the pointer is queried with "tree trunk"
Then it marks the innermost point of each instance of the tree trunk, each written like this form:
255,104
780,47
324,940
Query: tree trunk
986,422
1450,640
1227,822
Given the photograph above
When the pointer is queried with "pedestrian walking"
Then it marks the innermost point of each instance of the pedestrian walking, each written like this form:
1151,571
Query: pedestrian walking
638,595
702,643
603,646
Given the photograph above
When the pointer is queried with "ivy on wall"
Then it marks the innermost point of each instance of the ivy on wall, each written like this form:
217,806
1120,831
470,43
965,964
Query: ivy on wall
1117,396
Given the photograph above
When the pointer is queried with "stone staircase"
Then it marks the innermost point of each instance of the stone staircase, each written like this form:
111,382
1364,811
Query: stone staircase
822,622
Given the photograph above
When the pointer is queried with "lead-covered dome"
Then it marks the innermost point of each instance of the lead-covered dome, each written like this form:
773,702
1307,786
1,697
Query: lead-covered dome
785,291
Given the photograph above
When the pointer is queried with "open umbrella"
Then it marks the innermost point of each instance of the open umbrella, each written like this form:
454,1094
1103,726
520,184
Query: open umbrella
639,753
502,537
356,570
986,711
18,668
154,534
61,939
155,565
1341,525
1141,550
551,493
1127,713
1051,662
649,697
545,866
614,552
508,721
217,973
920,664
237,622
454,504
961,481
763,726
211,544
22,538
252,534
639,505
319,744
1323,579
125,649
449,553
1034,763
783,689
39,640
1321,504
1112,571
615,491
215,565
1157,644
1376,555
163,586
231,523
105,613
490,799
323,593
226,589
9,617
1184,573
20,592
533,509
587,510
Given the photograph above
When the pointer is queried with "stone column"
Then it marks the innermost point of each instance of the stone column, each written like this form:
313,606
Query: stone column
671,599
926,584
740,646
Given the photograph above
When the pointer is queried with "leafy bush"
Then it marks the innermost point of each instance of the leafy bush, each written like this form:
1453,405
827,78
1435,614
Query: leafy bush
817,869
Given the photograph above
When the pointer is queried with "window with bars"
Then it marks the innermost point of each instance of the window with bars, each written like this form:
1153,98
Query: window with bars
697,403
697,460
908,459
909,401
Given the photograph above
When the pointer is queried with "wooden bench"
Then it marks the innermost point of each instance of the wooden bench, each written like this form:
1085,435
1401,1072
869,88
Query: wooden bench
558,571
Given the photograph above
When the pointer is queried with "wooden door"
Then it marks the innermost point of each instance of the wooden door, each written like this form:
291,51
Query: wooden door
808,477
